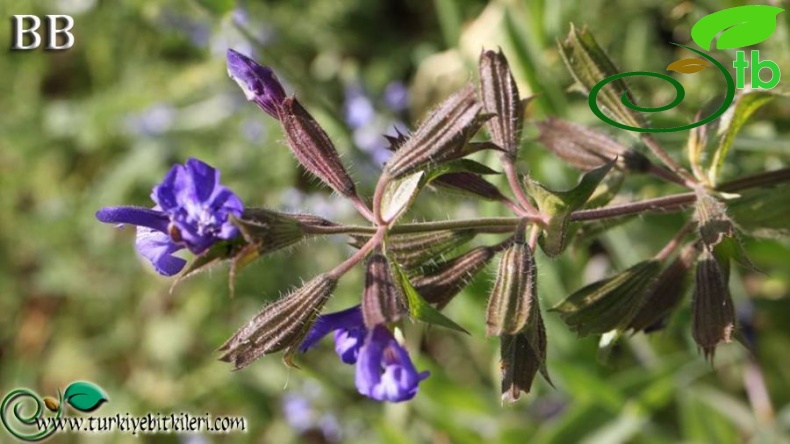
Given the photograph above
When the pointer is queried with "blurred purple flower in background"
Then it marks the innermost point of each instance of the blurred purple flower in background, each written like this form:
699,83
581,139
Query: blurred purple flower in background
368,125
192,211
358,109
384,369
302,412
396,96
196,29
153,121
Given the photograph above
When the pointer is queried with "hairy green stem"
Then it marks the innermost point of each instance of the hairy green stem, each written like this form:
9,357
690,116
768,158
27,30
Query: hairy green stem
756,180
663,173
674,202
358,256
363,208
515,185
669,203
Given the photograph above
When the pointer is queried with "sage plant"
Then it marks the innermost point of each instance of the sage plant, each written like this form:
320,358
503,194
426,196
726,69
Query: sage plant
408,274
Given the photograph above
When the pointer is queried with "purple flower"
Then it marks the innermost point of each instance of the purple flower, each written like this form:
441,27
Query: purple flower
191,211
384,369
358,108
396,96
259,83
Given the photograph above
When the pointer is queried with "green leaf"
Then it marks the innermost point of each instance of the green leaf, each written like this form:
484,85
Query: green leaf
730,126
459,166
559,205
763,212
610,303
85,396
399,195
418,307
740,26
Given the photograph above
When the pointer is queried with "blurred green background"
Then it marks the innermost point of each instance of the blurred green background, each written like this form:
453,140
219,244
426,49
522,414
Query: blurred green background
145,87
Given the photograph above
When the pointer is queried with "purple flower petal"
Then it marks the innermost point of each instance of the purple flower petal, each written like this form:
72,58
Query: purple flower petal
324,324
192,210
144,217
164,194
368,372
384,369
348,342
197,205
158,248
259,83
204,179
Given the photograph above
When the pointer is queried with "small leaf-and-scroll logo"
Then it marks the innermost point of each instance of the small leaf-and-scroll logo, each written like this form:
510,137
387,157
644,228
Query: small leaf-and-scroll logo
735,28
22,409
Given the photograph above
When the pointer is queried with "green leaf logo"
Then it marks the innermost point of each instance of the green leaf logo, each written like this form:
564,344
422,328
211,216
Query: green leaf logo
85,396
736,27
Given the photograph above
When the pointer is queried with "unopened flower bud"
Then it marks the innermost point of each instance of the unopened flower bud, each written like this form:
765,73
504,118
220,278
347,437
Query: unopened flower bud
441,284
587,149
713,313
381,301
442,137
259,83
513,292
313,148
500,96
282,324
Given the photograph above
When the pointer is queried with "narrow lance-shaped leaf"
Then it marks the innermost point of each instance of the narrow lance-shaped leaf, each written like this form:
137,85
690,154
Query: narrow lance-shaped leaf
469,184
313,148
559,205
589,64
736,27
279,325
442,136
500,96
442,283
381,301
730,125
418,308
610,303
713,313
509,304
587,149
696,144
